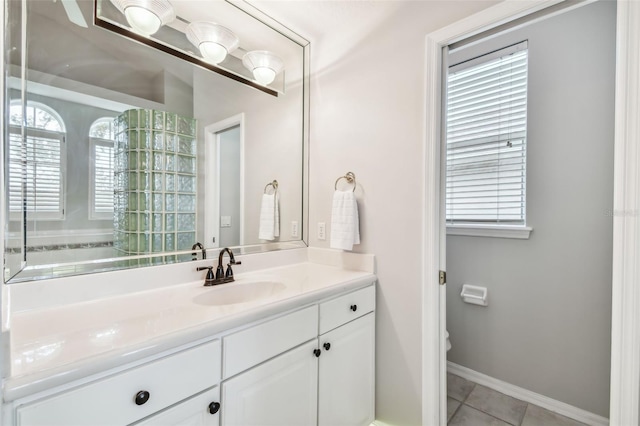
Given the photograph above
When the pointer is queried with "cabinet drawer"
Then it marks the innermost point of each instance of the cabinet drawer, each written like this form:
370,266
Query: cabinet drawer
254,345
195,411
112,401
345,308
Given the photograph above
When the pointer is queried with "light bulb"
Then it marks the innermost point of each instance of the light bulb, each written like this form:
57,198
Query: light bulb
142,20
263,64
213,52
264,75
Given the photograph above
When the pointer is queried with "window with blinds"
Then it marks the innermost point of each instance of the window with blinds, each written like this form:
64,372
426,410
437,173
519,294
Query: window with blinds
102,168
36,161
486,139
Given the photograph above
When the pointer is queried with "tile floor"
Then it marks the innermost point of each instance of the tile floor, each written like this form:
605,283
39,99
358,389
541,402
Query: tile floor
470,404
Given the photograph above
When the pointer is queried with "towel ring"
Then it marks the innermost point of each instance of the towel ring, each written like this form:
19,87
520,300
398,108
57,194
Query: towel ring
273,184
350,177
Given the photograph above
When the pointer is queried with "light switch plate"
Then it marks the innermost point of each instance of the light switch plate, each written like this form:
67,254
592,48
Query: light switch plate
225,221
294,228
322,231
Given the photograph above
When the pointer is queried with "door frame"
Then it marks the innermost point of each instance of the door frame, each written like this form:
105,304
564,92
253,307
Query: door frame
212,189
625,342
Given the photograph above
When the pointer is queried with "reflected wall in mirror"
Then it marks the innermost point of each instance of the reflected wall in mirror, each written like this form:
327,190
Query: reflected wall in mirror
122,155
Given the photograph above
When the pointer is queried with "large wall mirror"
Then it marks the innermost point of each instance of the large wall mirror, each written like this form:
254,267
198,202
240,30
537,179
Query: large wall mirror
127,142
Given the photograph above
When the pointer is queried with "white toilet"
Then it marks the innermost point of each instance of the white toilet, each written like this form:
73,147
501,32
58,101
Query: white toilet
448,342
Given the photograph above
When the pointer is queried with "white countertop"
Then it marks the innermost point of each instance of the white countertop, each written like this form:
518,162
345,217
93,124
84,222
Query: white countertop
53,346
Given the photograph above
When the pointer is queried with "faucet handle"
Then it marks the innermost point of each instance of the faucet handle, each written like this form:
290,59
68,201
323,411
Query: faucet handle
209,280
219,272
229,273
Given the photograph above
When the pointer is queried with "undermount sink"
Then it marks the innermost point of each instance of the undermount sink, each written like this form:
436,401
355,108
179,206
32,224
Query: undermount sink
236,292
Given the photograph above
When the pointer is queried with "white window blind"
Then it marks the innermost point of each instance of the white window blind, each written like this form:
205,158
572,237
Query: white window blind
102,179
36,162
486,139
36,166
102,135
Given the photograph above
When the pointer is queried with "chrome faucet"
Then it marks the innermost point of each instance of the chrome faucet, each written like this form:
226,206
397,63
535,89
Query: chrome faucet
201,247
221,276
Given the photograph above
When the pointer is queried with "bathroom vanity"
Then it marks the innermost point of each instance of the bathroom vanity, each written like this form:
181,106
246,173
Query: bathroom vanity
287,345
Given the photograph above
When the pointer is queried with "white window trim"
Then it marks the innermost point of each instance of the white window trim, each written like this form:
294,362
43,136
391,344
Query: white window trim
493,231
93,215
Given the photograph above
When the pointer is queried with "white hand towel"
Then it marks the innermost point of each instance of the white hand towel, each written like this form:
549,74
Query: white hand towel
269,217
345,224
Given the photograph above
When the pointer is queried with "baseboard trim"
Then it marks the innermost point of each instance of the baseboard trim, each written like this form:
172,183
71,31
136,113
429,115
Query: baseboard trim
550,404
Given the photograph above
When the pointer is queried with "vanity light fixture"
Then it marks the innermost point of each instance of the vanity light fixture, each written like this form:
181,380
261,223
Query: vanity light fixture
146,16
263,64
214,41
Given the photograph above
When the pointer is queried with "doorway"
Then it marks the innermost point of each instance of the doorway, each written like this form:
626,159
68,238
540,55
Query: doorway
224,183
625,375
529,189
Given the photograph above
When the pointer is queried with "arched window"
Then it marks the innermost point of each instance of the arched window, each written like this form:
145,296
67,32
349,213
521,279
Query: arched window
101,135
103,128
36,162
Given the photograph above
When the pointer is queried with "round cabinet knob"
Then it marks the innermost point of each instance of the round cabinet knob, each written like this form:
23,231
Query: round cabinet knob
214,407
317,352
354,308
327,346
142,397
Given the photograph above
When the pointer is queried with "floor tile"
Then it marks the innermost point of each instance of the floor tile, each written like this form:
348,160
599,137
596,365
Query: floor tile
497,404
452,406
458,388
537,416
467,416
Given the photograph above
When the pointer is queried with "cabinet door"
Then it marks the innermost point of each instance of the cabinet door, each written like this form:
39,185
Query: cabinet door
346,378
282,391
200,410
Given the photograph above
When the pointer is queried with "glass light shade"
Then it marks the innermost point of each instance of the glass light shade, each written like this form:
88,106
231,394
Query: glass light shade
146,16
214,41
263,64
142,21
264,75
213,52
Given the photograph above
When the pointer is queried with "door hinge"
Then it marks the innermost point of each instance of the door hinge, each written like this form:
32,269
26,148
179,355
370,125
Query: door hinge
442,277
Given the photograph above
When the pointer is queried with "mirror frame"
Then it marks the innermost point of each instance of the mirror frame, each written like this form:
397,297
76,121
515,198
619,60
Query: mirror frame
43,272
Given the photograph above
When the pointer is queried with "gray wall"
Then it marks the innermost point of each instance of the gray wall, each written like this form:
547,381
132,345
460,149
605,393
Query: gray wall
230,185
547,326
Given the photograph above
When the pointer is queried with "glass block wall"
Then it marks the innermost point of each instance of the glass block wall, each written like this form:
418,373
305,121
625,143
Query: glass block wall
155,182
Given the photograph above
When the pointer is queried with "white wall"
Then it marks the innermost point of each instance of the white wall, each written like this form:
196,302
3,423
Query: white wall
273,148
548,324
367,116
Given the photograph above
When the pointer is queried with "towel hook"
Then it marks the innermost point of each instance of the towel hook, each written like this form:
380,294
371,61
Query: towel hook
273,184
350,178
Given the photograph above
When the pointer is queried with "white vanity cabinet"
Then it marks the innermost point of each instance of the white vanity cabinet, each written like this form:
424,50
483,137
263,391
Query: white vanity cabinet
310,366
347,364
346,374
131,395
327,381
282,391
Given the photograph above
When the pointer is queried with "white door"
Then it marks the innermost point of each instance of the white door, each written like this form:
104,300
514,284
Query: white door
280,392
200,410
346,376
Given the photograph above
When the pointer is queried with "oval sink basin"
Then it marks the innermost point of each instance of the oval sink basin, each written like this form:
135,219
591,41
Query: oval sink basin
231,293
